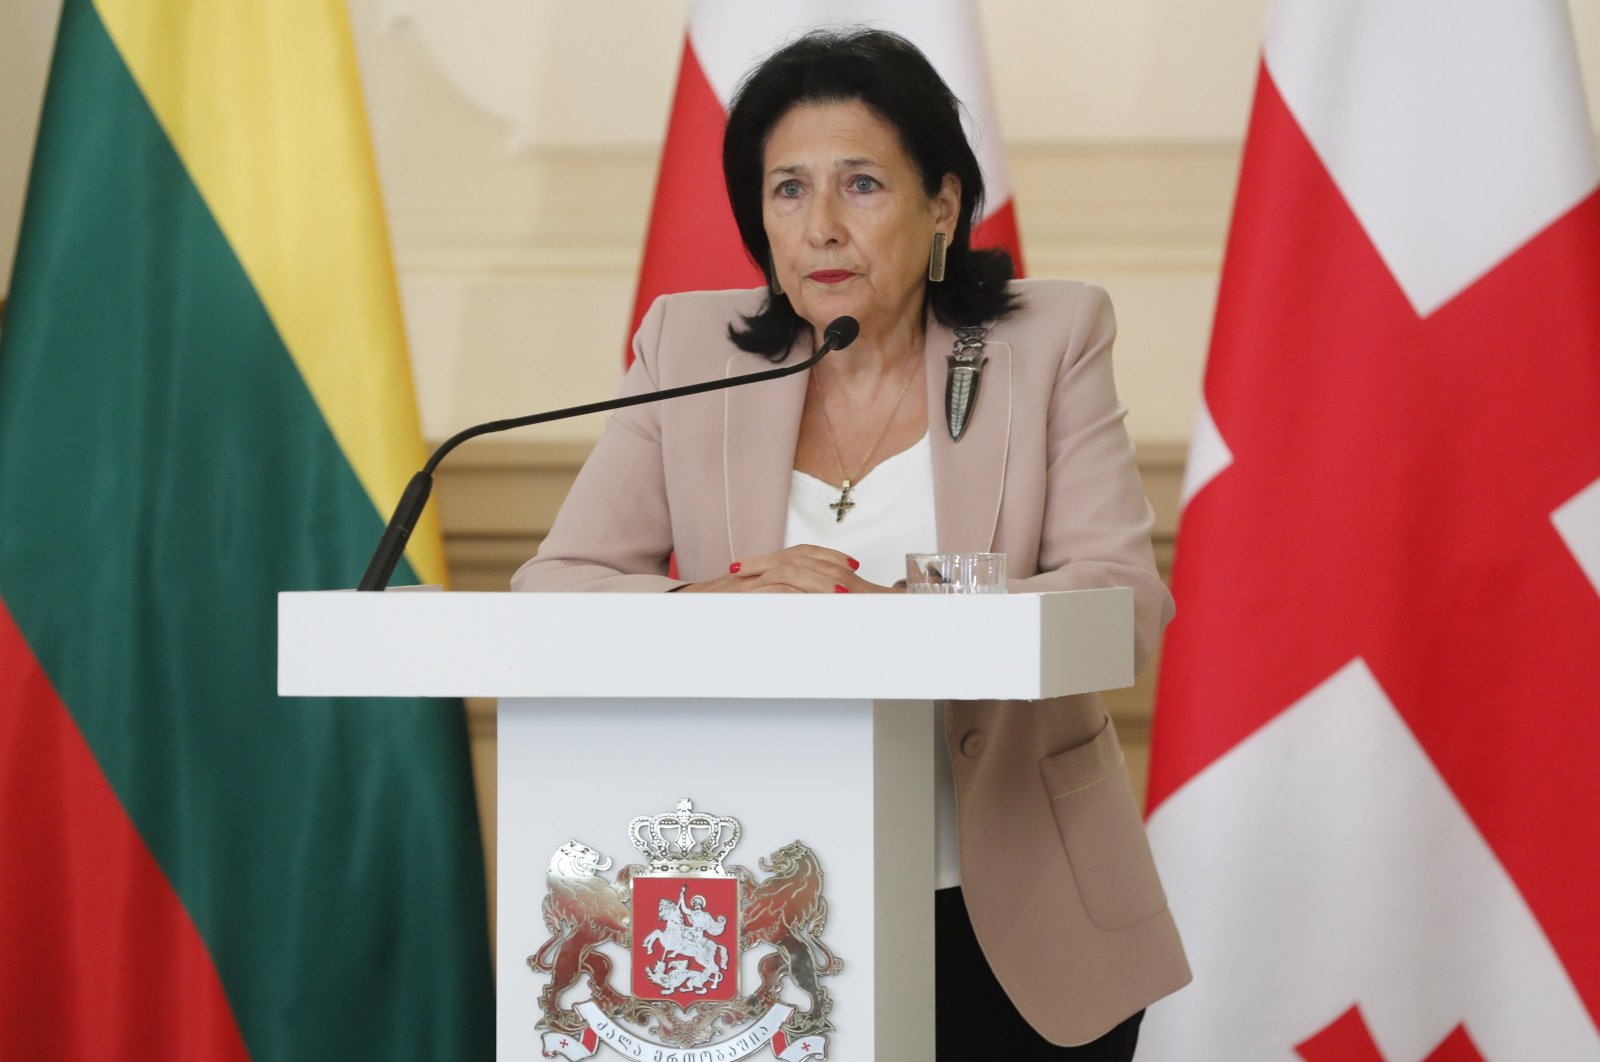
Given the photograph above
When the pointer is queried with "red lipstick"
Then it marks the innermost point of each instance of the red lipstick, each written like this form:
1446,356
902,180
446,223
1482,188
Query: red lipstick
830,276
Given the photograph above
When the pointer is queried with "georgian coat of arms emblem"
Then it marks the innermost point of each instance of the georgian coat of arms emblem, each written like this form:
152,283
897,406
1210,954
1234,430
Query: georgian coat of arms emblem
685,920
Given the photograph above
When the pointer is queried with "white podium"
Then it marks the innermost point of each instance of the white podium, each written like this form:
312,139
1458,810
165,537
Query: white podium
804,717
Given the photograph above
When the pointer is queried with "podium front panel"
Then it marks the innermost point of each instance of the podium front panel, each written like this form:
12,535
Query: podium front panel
852,780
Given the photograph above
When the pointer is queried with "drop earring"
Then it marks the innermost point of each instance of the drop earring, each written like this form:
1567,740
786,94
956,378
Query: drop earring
936,257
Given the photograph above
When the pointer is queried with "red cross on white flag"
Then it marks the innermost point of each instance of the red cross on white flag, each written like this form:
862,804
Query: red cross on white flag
1373,779
693,243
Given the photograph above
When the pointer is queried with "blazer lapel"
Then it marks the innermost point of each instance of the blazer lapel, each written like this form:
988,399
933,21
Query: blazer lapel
968,476
760,428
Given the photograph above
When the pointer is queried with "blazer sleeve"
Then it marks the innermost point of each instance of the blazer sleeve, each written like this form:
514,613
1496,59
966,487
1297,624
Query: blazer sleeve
1097,521
614,531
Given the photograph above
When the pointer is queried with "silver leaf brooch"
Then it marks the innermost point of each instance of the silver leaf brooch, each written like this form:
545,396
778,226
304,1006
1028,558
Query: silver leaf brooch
961,385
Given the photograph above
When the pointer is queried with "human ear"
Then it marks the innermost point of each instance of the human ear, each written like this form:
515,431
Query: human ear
948,202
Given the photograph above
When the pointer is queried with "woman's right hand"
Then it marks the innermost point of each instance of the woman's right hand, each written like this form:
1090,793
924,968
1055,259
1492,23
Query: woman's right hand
796,570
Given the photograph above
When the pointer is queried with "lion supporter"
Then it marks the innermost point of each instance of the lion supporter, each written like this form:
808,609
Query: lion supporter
855,189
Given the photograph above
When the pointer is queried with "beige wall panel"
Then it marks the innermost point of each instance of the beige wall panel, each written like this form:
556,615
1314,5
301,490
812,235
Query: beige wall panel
1134,70
1163,324
490,347
597,73
1086,206
27,32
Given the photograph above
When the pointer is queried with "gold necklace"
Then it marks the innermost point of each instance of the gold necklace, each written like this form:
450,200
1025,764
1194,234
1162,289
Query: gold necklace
845,504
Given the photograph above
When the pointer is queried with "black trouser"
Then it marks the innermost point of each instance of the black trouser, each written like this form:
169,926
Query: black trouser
974,1018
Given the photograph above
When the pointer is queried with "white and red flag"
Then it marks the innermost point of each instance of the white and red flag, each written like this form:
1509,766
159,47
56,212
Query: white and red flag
1374,786
692,242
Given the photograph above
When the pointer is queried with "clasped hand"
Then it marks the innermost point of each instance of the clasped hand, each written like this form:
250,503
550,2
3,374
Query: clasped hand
796,570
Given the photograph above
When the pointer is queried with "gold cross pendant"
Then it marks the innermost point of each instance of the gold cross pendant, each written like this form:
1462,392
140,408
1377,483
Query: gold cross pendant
843,505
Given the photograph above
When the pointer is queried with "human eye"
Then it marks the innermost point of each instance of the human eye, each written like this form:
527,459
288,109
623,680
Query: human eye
789,189
863,183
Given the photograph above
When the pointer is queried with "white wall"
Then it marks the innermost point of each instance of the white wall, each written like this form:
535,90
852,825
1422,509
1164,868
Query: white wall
517,146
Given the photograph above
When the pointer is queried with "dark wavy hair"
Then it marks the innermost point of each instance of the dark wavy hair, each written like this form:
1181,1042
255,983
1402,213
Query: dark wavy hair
896,82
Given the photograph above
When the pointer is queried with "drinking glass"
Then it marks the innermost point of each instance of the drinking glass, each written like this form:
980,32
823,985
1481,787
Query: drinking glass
955,573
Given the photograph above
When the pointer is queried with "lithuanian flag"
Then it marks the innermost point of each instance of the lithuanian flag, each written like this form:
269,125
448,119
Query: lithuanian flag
204,399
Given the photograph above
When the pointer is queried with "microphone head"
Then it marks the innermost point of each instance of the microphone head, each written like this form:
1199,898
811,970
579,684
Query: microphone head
841,332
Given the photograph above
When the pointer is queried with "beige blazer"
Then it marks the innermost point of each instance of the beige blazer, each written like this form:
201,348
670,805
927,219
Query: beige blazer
1055,867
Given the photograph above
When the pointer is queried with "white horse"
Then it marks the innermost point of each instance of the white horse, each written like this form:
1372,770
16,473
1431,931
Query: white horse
676,938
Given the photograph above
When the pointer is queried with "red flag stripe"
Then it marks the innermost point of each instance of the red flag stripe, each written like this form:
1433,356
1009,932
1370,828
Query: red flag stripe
98,958
693,243
999,229
1347,1040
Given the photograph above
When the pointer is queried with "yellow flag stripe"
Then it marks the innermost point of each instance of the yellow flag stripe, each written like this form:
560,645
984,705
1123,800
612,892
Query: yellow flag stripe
262,101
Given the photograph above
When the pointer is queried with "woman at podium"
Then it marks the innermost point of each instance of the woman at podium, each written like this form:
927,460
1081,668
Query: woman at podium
855,189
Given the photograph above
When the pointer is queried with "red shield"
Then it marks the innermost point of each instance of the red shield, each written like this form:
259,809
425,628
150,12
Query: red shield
685,938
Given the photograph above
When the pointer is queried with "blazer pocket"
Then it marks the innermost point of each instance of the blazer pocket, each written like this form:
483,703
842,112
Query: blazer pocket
1103,833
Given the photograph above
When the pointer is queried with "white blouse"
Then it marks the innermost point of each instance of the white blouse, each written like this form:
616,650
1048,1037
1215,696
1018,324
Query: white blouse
893,516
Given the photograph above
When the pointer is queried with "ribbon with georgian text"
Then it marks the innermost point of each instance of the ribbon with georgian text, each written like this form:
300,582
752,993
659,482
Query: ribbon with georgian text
601,1029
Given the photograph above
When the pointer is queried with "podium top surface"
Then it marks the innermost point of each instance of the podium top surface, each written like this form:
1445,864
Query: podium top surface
807,646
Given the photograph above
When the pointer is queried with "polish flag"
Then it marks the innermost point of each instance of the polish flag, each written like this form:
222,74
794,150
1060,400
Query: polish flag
693,243
1373,785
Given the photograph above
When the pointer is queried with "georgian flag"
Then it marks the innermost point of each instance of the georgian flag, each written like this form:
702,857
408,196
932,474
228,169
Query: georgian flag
1375,784
693,242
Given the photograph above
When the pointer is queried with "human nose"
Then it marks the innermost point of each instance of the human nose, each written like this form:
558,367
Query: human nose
824,222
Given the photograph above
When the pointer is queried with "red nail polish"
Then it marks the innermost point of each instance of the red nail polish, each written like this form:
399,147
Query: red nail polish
733,569
839,589
854,564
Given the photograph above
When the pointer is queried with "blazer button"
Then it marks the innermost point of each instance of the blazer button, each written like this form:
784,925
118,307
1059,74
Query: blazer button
972,743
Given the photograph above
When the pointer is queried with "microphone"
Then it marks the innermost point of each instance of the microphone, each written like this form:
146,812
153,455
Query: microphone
840,333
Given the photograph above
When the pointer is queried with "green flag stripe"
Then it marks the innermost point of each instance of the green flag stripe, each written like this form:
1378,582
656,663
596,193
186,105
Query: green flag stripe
163,473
